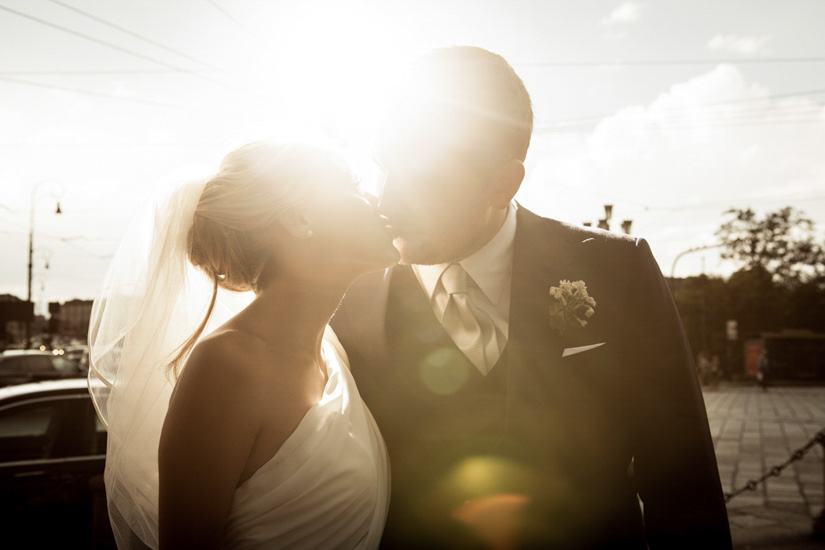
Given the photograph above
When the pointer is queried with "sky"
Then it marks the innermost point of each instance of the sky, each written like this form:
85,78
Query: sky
671,111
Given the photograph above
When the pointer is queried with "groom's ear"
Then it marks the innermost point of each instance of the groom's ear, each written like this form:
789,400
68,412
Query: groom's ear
506,182
296,222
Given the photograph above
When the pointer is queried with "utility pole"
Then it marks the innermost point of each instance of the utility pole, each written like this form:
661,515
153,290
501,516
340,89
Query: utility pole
31,259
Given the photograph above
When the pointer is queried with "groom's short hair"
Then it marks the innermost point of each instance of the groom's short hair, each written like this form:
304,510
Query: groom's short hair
469,89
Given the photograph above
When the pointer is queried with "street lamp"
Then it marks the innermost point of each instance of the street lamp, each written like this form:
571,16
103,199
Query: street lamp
604,223
688,251
31,254
626,226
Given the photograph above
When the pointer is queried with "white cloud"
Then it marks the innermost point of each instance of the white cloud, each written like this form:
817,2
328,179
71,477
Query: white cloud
674,166
744,45
627,12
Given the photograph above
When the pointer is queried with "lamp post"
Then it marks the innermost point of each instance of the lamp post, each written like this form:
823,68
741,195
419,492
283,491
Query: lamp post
626,224
688,251
31,257
604,223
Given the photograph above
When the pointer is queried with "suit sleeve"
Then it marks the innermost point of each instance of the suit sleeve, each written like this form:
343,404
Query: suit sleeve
674,461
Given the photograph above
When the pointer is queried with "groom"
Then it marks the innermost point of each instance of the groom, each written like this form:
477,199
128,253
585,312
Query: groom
531,379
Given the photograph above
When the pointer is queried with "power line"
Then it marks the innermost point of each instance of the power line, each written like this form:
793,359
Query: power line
727,202
582,121
96,40
230,16
793,114
170,145
709,125
757,110
98,255
89,72
109,96
745,123
240,24
69,242
119,48
63,144
135,35
669,62
766,117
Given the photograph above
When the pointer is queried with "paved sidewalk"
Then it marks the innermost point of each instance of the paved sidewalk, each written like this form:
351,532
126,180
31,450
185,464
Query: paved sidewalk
754,431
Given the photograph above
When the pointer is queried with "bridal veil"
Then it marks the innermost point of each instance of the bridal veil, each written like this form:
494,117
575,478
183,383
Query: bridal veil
151,302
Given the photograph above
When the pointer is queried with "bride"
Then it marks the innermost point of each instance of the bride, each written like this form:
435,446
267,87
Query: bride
244,430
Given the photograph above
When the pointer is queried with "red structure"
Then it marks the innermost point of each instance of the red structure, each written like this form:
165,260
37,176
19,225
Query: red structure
795,355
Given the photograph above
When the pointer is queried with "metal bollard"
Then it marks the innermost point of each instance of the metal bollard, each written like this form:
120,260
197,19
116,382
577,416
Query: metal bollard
819,523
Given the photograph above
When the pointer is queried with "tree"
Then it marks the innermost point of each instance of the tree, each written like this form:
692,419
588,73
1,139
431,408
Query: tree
704,306
783,243
806,306
757,301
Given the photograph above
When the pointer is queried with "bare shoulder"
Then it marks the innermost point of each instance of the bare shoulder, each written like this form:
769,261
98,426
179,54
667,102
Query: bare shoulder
237,345
228,362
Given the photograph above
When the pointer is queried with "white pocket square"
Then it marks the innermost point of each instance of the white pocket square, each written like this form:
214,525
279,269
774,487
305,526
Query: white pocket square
574,351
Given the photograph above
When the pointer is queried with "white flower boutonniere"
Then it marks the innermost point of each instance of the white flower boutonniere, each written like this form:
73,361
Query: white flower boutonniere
570,305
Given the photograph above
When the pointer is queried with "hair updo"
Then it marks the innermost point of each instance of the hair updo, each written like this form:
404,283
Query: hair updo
255,185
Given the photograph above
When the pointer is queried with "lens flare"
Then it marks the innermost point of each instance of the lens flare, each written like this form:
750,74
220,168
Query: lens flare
444,371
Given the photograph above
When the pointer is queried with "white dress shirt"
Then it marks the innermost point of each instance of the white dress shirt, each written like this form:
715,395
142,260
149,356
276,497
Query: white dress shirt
491,269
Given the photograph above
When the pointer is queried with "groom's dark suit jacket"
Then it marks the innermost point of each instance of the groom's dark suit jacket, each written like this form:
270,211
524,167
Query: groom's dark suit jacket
548,450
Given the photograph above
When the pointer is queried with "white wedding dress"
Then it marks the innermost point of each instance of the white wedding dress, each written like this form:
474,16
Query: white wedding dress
327,487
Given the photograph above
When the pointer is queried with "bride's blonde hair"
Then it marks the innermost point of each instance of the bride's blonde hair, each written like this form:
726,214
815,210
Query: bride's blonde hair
255,185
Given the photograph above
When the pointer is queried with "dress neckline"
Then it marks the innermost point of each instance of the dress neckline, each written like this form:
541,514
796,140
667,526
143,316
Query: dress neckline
331,388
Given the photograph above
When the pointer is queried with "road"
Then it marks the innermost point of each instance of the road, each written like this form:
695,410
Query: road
754,430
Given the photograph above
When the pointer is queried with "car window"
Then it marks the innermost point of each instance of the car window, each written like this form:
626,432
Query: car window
64,365
39,363
94,434
27,431
12,365
99,446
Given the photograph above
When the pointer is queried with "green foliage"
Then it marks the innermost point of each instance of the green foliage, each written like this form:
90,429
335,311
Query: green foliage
753,298
782,243
704,305
757,301
780,284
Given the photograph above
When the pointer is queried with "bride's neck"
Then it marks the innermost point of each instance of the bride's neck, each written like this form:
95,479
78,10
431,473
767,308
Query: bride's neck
297,310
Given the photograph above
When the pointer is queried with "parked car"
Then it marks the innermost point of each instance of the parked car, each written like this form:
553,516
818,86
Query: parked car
52,456
79,355
23,366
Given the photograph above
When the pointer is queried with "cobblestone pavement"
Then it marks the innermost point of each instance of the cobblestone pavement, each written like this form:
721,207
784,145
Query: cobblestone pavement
754,431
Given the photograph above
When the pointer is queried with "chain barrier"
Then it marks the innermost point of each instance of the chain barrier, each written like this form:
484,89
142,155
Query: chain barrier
798,454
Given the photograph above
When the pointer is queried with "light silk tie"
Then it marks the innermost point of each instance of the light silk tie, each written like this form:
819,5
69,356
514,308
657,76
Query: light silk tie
460,321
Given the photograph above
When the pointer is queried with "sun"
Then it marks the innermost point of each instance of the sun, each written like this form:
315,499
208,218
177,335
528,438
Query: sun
331,67
333,64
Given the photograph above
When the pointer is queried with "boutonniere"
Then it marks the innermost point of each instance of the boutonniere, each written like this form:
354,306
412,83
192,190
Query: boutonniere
570,305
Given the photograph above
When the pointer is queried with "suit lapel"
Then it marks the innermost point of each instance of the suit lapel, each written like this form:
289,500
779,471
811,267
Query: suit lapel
544,254
539,262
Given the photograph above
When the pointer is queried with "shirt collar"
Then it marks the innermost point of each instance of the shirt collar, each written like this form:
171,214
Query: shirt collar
489,267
